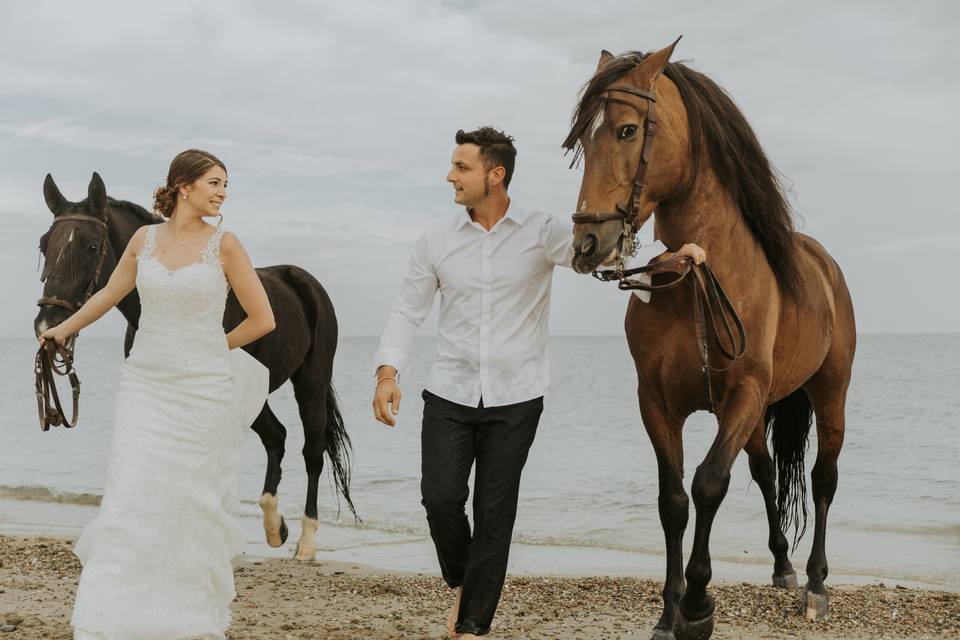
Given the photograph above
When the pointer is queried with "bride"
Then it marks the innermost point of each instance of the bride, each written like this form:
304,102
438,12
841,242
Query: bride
156,559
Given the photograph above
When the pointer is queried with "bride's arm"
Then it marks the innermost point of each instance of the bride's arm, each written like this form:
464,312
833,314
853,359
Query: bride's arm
121,282
249,291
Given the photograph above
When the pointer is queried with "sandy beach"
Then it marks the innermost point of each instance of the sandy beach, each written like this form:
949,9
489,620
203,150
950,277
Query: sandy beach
282,598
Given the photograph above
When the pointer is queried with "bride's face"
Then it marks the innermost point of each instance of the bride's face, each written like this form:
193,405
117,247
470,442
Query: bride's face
208,192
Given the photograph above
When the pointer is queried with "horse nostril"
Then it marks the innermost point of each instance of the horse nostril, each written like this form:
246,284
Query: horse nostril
589,245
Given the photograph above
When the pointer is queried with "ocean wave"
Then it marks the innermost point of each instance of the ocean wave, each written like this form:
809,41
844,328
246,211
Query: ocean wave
44,494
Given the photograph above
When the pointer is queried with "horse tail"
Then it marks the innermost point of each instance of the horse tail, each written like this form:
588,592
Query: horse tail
337,446
788,425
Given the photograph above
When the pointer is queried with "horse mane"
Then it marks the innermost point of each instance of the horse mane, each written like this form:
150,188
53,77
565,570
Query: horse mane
720,139
135,210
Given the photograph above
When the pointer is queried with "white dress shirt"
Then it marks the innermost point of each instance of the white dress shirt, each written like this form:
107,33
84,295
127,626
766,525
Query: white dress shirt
494,306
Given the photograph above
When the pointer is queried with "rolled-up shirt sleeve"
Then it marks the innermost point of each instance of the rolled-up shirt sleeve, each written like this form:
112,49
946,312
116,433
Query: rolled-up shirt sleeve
413,305
557,238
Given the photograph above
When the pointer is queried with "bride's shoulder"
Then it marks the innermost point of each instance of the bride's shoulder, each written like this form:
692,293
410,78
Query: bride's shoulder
230,243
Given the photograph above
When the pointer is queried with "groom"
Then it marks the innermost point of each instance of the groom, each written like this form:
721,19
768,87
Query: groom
493,265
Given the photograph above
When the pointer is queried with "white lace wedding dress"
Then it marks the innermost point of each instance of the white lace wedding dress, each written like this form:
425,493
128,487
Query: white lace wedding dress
156,559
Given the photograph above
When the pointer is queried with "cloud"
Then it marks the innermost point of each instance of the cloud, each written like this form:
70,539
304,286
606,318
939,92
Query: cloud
336,120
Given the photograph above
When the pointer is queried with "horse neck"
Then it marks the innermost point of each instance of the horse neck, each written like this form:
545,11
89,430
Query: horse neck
710,219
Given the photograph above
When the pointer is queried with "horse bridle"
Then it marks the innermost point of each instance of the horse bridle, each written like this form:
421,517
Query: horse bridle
55,359
629,213
92,287
710,300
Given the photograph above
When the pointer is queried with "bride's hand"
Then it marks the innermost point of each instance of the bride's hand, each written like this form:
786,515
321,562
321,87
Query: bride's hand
56,334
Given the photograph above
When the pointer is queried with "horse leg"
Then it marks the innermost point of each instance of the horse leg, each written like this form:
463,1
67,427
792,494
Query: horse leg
828,396
764,474
741,412
272,434
666,435
311,395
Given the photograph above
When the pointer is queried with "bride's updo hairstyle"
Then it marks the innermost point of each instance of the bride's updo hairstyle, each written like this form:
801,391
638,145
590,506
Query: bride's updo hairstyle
187,167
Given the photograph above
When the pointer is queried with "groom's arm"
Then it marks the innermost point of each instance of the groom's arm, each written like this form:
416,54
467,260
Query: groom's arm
412,307
557,238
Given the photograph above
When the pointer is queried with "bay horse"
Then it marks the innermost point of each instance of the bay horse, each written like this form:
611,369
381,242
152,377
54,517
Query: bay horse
81,249
657,136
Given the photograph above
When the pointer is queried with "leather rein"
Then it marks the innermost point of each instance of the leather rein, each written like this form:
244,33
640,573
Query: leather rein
55,359
710,300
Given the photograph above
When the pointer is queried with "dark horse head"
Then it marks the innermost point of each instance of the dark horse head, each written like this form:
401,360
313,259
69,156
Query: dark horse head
73,247
81,249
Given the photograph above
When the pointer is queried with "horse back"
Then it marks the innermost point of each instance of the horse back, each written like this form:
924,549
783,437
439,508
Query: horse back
306,323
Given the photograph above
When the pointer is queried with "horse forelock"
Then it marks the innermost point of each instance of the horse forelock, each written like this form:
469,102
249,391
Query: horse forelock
588,114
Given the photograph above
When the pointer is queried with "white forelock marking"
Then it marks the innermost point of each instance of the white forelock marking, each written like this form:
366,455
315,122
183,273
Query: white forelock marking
597,123
66,244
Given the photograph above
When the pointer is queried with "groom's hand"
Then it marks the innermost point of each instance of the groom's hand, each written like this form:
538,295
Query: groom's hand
386,397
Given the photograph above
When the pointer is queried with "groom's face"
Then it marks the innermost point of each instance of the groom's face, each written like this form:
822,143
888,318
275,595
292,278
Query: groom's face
468,175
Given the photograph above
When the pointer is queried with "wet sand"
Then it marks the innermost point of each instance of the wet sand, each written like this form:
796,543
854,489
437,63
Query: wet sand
282,598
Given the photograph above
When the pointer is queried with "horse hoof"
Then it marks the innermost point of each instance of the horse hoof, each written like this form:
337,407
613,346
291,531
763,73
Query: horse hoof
306,553
816,606
663,634
274,527
276,536
786,581
694,629
307,546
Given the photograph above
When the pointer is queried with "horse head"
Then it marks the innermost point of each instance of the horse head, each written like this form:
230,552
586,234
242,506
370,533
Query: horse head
632,159
77,252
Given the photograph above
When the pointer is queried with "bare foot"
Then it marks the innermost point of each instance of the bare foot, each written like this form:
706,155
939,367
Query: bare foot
452,618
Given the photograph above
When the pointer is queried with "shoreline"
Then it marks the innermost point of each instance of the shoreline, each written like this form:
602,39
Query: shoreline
280,597
412,553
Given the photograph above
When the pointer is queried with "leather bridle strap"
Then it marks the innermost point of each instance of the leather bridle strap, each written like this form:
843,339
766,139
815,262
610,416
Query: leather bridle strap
46,367
104,246
629,213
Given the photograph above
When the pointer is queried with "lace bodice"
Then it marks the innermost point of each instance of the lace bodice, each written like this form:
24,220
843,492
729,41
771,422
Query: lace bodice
181,316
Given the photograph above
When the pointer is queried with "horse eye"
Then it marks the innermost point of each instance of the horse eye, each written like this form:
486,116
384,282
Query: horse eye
92,248
627,131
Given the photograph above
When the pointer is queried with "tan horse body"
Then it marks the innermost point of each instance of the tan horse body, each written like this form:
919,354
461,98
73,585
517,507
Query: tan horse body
787,290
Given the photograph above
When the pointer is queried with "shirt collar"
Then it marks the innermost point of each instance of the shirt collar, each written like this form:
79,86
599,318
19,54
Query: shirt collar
513,213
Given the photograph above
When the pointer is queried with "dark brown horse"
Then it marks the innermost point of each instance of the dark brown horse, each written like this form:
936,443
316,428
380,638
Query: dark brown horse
82,247
707,178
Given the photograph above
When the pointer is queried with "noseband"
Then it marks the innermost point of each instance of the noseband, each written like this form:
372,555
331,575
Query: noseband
104,245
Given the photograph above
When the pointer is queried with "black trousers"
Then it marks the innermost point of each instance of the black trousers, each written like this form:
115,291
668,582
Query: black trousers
498,438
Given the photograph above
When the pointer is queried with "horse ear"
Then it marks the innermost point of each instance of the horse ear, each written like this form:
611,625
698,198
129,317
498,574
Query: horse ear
97,196
55,199
654,64
605,57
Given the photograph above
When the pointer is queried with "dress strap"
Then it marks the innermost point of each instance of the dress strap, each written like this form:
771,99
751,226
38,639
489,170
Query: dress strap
151,241
211,252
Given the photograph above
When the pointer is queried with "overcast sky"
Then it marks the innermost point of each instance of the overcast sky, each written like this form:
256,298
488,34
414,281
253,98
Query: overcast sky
336,122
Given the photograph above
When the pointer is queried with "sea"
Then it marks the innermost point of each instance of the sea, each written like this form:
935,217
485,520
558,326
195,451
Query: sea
588,499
